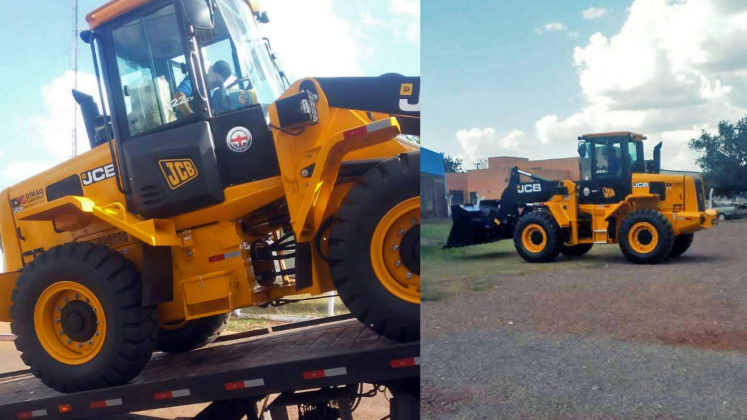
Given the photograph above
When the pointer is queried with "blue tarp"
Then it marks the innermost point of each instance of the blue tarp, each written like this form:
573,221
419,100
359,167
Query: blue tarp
431,162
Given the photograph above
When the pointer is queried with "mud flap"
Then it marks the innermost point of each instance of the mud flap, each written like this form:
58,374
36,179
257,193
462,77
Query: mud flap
303,265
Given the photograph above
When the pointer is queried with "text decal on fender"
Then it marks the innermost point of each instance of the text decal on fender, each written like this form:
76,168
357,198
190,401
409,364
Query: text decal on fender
178,172
97,174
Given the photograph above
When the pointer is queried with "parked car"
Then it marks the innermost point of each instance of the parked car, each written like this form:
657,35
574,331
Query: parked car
730,210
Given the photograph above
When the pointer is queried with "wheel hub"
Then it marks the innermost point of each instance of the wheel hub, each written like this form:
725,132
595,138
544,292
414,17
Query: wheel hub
533,238
70,323
410,249
395,250
78,320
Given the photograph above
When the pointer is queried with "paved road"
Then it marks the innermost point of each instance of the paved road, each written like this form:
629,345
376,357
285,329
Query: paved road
504,373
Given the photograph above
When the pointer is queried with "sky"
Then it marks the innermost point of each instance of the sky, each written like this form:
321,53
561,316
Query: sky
310,38
526,78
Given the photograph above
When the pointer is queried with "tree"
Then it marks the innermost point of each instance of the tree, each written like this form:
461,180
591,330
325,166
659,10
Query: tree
724,157
452,164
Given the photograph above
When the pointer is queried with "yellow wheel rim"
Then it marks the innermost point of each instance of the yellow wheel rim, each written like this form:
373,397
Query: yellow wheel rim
534,238
386,258
70,322
643,237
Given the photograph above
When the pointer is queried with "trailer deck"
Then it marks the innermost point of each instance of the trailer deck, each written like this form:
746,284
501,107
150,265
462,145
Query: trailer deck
237,368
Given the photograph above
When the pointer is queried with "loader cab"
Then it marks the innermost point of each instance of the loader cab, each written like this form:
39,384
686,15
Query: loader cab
607,163
188,83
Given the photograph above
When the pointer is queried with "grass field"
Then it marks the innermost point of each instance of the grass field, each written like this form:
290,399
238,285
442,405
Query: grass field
450,271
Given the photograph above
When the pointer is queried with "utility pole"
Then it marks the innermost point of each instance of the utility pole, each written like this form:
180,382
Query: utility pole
75,77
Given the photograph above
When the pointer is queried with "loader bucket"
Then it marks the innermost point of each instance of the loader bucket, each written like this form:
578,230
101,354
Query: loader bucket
473,225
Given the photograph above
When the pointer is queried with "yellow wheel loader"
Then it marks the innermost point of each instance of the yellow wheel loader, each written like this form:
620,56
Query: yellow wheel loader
621,198
211,184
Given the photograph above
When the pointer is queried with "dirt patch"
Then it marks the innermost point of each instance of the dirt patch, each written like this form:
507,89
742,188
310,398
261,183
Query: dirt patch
697,300
436,400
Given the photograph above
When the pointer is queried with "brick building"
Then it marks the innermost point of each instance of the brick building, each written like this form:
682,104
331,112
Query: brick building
489,183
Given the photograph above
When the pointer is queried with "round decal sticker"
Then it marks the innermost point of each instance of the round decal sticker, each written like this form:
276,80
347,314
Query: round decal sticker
239,139
586,191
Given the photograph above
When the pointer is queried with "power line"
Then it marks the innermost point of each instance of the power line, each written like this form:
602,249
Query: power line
75,77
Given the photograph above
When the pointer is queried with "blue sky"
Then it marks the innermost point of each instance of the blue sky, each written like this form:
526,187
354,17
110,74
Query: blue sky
353,37
526,78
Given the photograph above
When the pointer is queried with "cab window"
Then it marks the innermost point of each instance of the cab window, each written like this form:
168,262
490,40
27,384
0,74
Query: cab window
152,66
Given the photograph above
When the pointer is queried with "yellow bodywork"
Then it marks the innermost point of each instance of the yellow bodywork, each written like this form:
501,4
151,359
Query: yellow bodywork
212,268
679,206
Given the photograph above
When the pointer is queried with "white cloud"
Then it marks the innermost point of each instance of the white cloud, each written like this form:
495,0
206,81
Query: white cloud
53,126
674,69
405,7
594,13
479,143
312,40
554,26
18,170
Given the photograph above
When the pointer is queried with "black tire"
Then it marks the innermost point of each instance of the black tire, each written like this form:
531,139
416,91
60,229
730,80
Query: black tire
575,250
131,329
664,237
681,244
545,227
192,334
350,240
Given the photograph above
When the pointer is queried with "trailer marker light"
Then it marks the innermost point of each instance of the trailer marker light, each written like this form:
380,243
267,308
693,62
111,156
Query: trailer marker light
400,363
165,395
32,414
105,403
251,383
324,373
64,408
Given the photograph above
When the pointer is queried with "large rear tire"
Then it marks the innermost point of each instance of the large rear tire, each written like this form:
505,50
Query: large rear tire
537,237
374,248
646,237
190,335
78,318
681,244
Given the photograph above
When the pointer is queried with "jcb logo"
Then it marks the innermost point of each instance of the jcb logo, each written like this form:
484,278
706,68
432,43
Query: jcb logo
640,185
178,171
405,89
608,192
529,188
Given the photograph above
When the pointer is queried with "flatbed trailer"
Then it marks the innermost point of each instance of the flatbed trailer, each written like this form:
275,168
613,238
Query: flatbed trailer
307,362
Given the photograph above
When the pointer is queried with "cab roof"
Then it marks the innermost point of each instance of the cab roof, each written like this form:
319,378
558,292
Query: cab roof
632,135
112,10
115,8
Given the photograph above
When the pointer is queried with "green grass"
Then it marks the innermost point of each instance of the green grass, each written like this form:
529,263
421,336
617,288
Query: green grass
245,324
316,308
446,272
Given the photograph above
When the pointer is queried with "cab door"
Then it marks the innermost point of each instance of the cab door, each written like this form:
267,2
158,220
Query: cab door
167,156
605,172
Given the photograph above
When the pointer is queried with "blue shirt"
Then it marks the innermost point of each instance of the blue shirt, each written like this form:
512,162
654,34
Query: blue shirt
185,86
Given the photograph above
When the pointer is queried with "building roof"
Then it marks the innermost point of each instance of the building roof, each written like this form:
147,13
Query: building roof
431,162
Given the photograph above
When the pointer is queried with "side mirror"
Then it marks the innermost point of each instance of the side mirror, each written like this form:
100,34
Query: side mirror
199,13
582,150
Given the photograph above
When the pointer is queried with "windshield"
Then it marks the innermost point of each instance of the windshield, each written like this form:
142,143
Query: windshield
240,70
600,159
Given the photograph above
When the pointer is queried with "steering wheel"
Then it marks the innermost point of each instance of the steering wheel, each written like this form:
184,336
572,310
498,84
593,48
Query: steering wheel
237,81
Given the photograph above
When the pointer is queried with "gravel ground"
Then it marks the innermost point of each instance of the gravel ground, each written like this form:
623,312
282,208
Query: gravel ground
597,337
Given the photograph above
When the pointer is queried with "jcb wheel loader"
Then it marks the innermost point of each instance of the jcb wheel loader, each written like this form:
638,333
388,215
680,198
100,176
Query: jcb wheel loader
621,198
211,185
